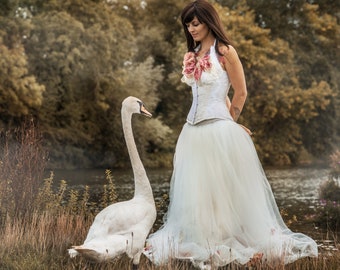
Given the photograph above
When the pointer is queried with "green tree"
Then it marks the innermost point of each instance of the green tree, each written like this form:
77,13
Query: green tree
80,52
159,33
82,58
278,105
19,91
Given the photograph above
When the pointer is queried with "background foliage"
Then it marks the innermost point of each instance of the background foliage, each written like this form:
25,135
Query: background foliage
70,66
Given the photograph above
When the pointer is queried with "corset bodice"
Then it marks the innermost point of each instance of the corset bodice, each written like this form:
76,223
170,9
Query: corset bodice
209,93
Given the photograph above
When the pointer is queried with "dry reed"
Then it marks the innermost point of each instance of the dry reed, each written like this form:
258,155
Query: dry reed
42,243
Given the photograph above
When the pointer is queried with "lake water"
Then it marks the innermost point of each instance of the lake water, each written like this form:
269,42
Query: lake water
288,184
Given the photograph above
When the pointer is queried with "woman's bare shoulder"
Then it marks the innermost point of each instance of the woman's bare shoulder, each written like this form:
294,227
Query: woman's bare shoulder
229,53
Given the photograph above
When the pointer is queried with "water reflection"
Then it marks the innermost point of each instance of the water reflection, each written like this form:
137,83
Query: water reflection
301,184
289,185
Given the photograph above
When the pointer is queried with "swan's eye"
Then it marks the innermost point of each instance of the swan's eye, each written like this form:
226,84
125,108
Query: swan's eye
140,105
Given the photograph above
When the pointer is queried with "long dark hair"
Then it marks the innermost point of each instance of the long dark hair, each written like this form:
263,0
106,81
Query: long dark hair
207,14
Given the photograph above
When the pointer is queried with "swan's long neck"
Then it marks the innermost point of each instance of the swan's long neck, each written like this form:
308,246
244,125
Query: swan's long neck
142,184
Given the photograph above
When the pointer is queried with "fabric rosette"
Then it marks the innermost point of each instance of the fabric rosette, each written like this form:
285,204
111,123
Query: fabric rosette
193,66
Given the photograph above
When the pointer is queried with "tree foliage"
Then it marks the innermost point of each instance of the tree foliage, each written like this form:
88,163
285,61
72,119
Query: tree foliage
71,65
20,93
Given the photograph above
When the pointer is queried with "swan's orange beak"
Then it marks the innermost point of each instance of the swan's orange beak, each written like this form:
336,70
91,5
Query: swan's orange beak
144,111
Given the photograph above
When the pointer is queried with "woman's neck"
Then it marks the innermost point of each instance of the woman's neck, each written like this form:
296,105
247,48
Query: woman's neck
206,44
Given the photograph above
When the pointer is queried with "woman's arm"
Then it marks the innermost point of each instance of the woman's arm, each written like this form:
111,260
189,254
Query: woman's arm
234,68
238,79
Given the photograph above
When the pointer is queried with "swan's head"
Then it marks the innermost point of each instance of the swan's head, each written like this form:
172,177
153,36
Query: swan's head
135,105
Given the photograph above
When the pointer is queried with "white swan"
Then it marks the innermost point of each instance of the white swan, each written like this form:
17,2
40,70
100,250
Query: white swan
123,227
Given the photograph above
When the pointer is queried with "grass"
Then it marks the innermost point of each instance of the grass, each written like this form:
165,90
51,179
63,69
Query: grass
41,242
38,223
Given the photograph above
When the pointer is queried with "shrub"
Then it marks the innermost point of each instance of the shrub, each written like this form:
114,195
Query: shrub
328,215
335,164
328,208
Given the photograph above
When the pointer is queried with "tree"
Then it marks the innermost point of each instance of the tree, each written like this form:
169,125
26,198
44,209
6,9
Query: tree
71,65
19,91
278,106
79,52
311,28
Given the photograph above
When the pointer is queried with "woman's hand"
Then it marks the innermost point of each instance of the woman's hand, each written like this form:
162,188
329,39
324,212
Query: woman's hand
246,129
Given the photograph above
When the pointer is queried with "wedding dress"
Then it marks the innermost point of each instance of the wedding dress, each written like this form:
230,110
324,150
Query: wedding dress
222,208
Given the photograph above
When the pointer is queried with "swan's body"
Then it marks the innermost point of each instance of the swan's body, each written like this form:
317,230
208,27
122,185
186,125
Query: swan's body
123,227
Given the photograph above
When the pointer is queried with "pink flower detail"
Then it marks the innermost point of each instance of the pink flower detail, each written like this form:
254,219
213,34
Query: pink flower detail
193,66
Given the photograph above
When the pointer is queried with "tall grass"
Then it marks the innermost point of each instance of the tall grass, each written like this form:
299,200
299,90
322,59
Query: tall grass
22,165
42,244
39,222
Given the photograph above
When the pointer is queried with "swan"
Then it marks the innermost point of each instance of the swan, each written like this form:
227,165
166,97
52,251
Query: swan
122,227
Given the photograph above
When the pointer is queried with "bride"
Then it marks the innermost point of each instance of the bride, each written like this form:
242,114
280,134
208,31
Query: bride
222,208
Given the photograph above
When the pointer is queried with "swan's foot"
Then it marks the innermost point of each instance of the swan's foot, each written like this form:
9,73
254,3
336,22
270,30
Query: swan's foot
135,267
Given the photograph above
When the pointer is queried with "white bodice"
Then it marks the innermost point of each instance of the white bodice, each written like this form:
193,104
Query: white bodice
209,93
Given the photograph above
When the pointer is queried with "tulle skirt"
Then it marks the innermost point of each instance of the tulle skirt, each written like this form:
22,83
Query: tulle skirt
222,208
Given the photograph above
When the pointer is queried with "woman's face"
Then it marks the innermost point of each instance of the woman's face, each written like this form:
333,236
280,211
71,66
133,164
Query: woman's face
197,30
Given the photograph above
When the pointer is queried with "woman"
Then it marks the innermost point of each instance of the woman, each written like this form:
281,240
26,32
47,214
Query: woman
222,208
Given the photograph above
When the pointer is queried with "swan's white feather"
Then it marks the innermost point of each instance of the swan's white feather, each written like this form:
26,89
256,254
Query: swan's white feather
121,218
123,227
